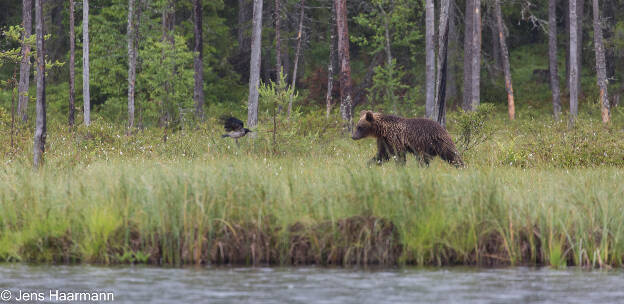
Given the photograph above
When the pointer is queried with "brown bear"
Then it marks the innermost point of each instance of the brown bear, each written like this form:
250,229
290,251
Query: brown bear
396,136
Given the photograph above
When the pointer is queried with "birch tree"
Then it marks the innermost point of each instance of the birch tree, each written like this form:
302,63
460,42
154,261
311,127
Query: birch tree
131,63
580,10
40,124
345,64
24,80
85,63
475,53
468,32
552,58
601,68
254,70
330,64
72,65
573,62
430,71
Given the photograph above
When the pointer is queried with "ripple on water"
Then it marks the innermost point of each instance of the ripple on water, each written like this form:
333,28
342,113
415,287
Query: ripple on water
322,285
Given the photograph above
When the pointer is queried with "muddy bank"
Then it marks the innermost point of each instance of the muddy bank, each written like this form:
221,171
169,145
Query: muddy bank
358,240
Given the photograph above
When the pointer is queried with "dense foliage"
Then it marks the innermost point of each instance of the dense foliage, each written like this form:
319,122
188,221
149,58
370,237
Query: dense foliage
398,87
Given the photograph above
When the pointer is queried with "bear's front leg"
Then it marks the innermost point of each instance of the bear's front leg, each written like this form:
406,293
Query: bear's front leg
382,153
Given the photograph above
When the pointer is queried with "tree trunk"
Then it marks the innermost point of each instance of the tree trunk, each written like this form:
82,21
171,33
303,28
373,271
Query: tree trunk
168,22
468,35
40,125
601,68
552,56
345,64
24,81
430,71
254,70
476,56
566,26
580,8
198,61
131,64
440,85
72,65
297,54
573,62
330,65
278,42
452,69
85,63
511,108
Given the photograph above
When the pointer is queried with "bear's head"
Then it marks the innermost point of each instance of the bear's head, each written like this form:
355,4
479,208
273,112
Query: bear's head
364,127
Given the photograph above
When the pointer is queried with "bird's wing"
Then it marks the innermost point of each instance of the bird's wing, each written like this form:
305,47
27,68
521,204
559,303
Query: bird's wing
231,123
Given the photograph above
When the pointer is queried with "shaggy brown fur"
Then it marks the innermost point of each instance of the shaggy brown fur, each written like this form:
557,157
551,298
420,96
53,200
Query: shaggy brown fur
396,136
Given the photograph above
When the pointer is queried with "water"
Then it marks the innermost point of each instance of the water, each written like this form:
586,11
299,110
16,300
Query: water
318,285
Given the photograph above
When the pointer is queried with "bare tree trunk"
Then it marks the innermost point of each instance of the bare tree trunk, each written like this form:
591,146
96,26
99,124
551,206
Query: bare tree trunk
552,56
573,62
476,55
278,42
24,81
72,65
168,22
566,26
254,70
430,71
85,63
330,65
346,100
440,100
468,35
601,67
297,54
40,125
452,56
198,61
131,64
140,6
511,108
580,8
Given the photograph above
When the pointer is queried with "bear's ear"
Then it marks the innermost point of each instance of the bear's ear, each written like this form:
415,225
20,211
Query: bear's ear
369,116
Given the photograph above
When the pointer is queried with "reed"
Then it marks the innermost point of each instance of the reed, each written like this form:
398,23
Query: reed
326,211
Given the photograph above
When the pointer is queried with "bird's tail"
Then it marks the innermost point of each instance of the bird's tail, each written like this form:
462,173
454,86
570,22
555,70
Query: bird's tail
225,135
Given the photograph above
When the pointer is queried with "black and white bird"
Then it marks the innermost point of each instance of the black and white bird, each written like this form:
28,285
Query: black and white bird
234,127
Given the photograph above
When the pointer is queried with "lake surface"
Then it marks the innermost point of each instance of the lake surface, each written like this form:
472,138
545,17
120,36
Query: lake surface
315,284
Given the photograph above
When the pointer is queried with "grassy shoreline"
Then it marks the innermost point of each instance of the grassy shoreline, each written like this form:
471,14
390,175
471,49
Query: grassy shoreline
327,211
535,192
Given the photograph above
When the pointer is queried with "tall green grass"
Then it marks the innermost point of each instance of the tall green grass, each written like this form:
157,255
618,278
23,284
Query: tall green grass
245,210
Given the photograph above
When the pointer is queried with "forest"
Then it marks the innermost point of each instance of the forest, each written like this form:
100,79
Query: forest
111,133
